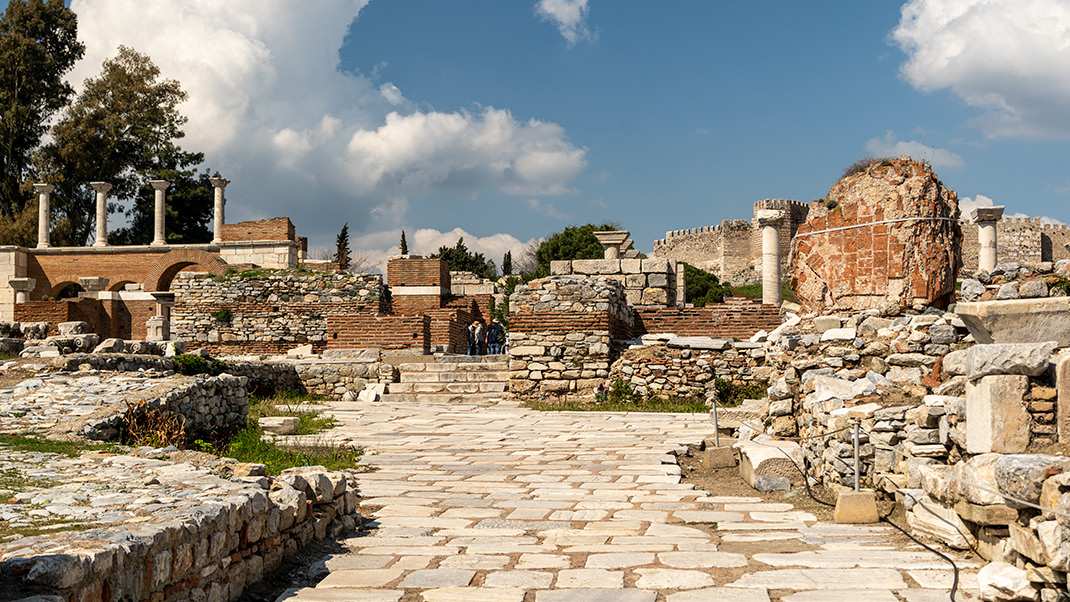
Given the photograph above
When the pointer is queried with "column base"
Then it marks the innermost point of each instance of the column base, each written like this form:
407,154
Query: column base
100,243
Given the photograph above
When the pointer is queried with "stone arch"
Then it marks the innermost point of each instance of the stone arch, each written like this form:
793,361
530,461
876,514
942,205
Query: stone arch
61,286
163,270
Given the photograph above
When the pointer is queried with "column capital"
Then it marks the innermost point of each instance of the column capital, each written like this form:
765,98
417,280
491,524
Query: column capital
159,184
22,284
101,186
769,217
219,182
44,188
987,214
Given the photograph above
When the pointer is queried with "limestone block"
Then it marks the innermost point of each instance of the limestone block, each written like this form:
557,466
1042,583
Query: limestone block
839,334
933,519
372,392
1053,490
631,266
635,281
657,280
1017,321
998,514
856,507
655,265
1023,475
560,267
996,418
110,346
596,266
823,323
67,329
1001,581
977,480
705,343
1031,359
770,457
300,351
280,425
655,296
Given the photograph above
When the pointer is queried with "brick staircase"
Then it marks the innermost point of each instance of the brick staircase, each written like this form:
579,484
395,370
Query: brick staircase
451,378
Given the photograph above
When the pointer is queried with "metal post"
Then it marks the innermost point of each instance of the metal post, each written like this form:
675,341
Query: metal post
857,422
716,430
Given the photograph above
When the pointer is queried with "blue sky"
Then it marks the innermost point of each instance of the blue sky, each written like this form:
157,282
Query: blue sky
507,121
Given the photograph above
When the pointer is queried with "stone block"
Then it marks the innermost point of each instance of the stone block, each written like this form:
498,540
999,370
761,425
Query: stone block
655,296
280,425
719,456
535,350
839,334
1030,359
770,457
67,329
1017,321
635,281
1001,581
596,266
856,507
1022,475
657,280
1062,377
997,420
631,266
933,519
560,267
998,514
823,323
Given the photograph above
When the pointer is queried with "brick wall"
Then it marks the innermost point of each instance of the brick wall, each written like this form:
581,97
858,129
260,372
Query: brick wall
417,271
85,310
354,331
736,318
414,305
449,330
276,228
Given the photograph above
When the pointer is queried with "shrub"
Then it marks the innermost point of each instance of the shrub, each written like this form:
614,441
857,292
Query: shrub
192,364
223,315
732,393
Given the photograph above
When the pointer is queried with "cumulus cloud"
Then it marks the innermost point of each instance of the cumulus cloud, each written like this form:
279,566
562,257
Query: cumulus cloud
376,247
1008,58
272,112
547,209
968,204
890,146
570,17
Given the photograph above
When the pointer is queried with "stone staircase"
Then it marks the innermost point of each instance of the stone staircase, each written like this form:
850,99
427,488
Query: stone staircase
451,378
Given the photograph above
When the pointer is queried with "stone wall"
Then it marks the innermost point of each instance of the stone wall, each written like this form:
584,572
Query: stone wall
685,371
646,282
171,531
1019,240
737,317
732,250
273,312
276,229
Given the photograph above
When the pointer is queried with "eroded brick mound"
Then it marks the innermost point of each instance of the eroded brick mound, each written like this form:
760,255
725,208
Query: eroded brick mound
852,253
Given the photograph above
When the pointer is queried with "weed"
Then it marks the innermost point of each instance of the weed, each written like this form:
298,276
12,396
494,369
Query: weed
153,427
730,394
224,315
70,449
192,364
291,402
249,445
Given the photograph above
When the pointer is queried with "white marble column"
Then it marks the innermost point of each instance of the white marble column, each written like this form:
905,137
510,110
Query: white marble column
102,189
987,218
769,220
44,216
220,185
160,214
22,287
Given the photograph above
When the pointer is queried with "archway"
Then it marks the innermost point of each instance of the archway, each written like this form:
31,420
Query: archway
65,290
119,286
163,270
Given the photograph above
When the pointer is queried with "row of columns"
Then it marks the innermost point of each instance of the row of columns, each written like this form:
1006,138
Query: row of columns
44,192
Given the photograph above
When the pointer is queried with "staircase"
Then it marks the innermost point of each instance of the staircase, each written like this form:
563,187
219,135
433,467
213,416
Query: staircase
451,379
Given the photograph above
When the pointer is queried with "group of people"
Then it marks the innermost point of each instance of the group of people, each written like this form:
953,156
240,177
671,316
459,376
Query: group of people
486,340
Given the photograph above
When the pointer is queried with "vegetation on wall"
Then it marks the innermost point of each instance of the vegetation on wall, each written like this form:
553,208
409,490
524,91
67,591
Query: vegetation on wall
702,287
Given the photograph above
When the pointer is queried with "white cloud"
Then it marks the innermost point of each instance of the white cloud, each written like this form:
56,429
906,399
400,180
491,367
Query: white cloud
272,112
968,204
547,209
377,247
889,146
570,17
1008,58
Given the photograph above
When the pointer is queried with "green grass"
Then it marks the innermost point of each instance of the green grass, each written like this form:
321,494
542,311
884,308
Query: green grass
292,403
250,445
754,291
64,448
43,527
646,404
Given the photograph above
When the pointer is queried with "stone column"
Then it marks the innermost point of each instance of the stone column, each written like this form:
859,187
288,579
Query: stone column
987,218
160,214
102,189
769,220
220,185
44,216
22,287
158,327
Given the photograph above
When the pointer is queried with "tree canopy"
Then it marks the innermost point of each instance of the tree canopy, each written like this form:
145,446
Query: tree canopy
574,242
38,46
702,287
342,251
123,129
460,259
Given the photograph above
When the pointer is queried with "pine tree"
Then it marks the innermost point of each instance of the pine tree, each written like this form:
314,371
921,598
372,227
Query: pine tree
404,245
507,263
341,255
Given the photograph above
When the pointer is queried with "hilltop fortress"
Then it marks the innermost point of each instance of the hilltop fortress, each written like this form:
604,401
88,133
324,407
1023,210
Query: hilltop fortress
733,250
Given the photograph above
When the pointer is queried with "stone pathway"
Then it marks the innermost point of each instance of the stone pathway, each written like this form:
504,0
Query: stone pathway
505,504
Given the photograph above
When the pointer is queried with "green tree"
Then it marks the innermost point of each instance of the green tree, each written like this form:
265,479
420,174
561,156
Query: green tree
188,209
702,287
460,259
574,242
404,244
122,129
341,254
507,263
38,46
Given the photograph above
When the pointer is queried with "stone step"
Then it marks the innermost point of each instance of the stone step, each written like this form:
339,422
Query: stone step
453,377
440,397
482,387
453,367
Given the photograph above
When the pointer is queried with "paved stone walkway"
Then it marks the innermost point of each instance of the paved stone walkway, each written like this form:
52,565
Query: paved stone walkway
506,504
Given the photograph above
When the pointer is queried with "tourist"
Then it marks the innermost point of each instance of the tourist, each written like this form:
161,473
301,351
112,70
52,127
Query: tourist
495,337
473,348
480,336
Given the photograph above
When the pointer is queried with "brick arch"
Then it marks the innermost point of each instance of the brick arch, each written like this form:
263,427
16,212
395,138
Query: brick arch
119,285
61,284
163,270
